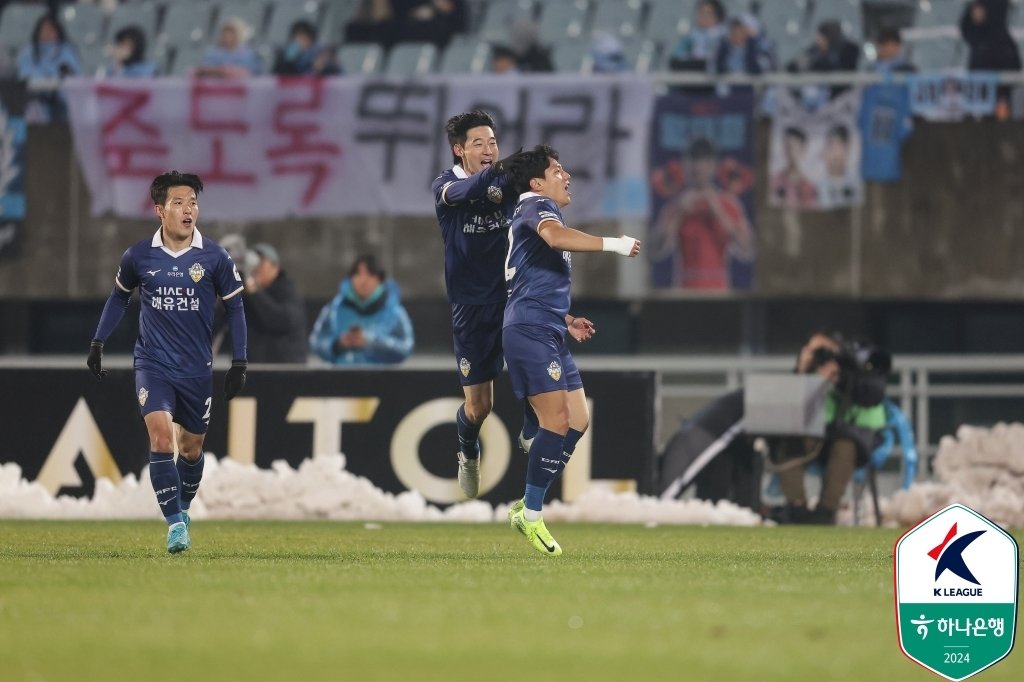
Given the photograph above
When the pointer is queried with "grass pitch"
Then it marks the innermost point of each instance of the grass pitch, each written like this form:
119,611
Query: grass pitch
330,601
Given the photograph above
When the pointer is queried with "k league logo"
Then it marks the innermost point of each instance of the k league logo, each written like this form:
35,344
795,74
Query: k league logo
956,579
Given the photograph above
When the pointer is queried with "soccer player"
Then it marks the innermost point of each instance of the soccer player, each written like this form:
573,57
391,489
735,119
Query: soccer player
180,274
542,370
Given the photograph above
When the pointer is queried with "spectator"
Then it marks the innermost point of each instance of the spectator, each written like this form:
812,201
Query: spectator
232,57
744,51
983,27
302,56
49,55
891,57
830,52
391,21
607,54
274,311
365,323
531,56
504,60
697,49
128,55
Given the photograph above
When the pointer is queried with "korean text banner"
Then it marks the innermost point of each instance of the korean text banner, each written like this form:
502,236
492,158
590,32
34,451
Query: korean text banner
814,157
702,192
270,148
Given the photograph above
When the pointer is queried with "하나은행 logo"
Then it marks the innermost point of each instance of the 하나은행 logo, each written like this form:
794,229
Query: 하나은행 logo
956,581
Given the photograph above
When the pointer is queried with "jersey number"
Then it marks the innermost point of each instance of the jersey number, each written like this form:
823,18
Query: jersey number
510,272
206,416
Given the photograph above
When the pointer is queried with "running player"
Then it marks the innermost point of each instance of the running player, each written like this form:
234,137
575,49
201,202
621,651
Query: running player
180,274
542,370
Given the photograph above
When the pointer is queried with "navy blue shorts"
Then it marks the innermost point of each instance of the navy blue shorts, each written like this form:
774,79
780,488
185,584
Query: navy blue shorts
476,331
538,360
188,400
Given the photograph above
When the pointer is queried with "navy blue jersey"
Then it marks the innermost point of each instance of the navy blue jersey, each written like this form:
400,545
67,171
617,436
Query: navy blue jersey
474,213
538,277
177,293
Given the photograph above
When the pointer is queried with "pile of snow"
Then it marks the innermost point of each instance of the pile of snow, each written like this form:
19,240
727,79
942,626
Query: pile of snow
321,488
980,468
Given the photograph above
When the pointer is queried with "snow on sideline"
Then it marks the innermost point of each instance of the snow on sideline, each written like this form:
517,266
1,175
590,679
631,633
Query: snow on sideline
980,468
321,488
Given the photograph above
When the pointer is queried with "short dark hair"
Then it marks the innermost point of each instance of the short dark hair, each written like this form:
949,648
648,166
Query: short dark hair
459,125
369,261
798,133
889,34
162,183
701,148
840,132
305,27
523,166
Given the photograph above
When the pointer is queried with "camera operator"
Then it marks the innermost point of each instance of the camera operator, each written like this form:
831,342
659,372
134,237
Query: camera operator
854,415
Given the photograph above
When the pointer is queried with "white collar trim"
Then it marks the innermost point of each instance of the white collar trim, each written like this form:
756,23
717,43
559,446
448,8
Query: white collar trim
527,195
460,172
197,243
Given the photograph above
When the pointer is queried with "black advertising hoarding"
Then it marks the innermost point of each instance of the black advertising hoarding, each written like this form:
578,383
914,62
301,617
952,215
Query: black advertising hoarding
396,427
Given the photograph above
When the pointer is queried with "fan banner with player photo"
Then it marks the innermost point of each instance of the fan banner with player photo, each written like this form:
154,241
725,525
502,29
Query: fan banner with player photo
12,166
269,148
953,97
702,192
814,157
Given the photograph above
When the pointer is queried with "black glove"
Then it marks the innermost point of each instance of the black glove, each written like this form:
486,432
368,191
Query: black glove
95,361
501,166
235,379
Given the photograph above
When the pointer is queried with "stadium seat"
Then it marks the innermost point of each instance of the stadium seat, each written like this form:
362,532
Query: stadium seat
667,20
561,21
83,23
186,57
252,13
92,58
937,13
640,55
500,16
938,53
618,17
141,14
185,24
572,56
17,22
463,57
284,14
411,59
337,13
361,57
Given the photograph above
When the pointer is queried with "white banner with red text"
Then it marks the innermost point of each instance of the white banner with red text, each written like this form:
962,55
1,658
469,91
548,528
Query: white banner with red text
268,148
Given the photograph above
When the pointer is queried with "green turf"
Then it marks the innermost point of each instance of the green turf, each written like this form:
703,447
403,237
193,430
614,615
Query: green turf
329,601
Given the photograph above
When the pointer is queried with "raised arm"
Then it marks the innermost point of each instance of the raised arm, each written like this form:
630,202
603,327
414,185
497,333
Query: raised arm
562,238
460,191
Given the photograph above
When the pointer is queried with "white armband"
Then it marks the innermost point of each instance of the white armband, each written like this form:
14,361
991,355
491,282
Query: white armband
620,245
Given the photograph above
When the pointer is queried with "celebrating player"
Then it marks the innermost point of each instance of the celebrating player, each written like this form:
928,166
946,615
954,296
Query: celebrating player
542,370
180,274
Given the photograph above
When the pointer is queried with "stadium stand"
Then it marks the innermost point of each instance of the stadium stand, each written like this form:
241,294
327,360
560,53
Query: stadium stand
621,18
84,24
361,58
563,21
411,59
16,23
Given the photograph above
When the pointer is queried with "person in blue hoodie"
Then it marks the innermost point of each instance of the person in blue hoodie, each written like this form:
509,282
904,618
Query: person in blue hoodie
365,323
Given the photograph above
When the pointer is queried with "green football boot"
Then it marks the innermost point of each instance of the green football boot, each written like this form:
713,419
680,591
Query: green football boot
537,533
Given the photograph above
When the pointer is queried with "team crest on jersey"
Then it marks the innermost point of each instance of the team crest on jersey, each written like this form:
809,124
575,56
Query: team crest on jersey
196,272
143,395
555,370
494,194
464,367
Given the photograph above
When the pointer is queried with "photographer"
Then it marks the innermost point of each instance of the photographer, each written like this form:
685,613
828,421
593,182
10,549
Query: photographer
854,415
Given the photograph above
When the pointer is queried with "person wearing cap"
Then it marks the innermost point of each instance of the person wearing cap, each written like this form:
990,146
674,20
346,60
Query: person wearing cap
365,323
274,310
